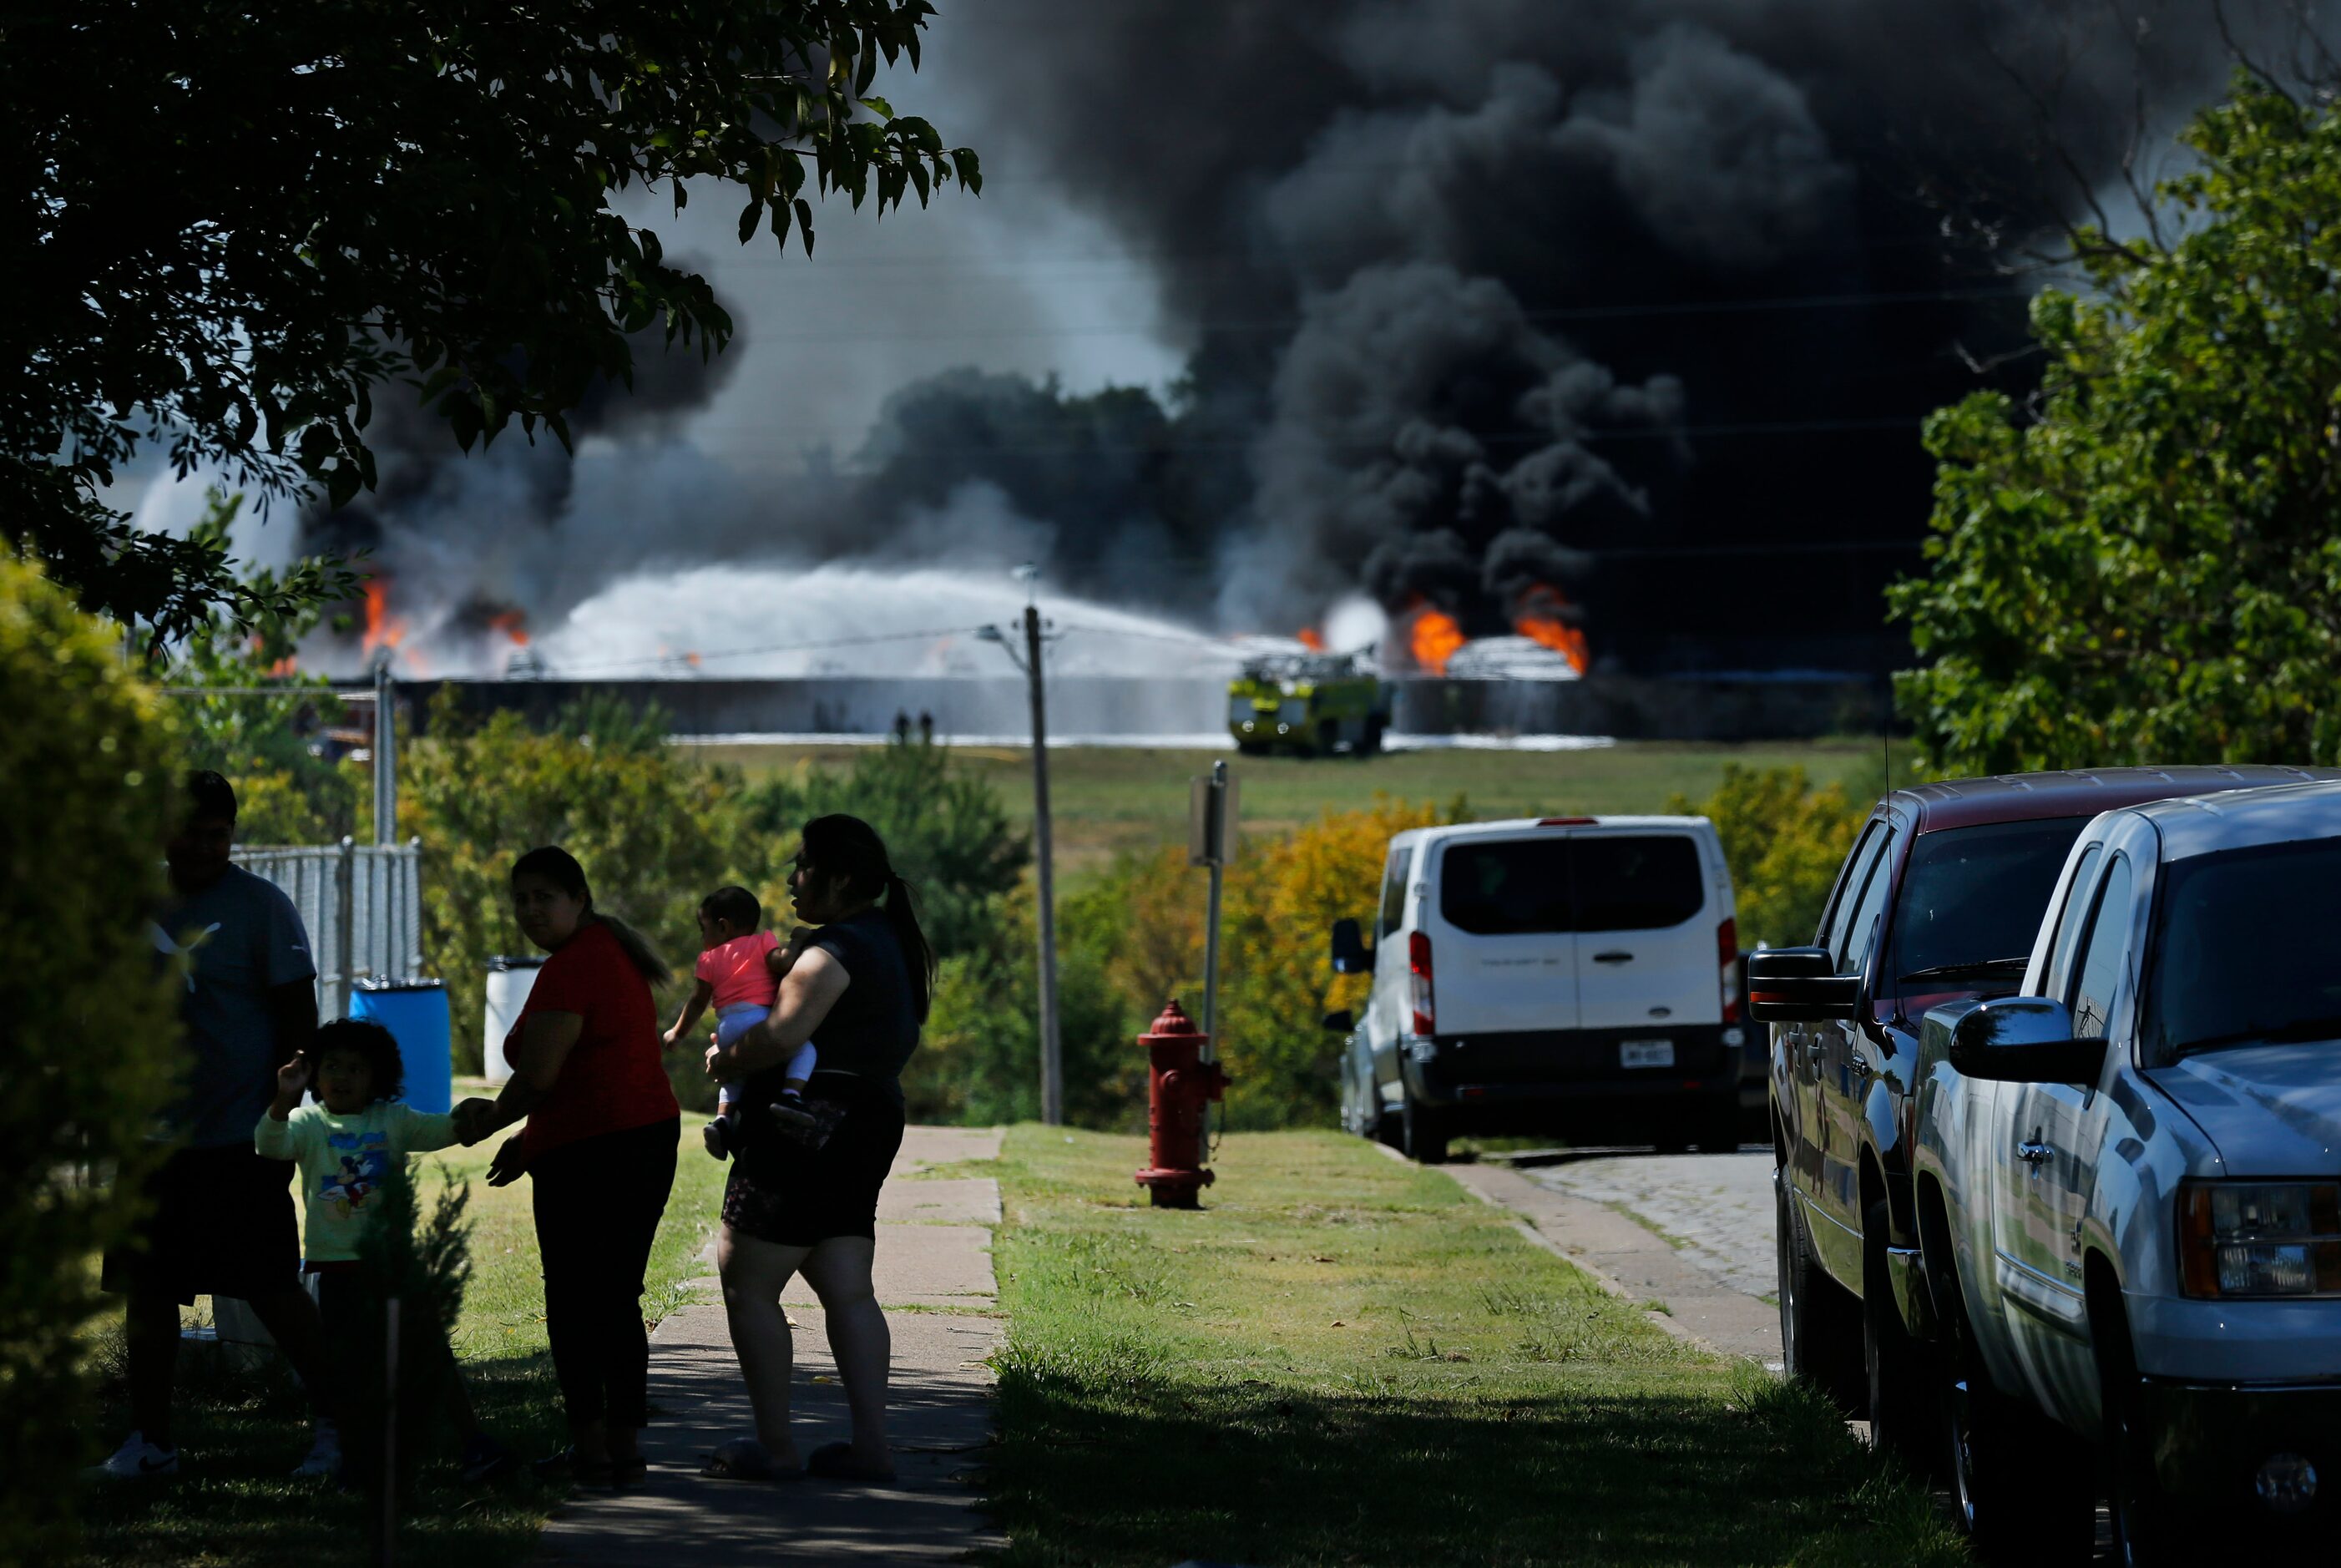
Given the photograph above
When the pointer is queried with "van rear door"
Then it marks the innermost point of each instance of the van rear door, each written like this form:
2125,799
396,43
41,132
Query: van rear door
1646,953
1503,953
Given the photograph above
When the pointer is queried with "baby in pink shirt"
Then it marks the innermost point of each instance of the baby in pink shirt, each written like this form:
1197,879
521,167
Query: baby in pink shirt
739,972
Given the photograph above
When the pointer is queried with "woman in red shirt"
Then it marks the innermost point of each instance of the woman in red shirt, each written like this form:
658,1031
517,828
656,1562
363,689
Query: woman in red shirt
599,1149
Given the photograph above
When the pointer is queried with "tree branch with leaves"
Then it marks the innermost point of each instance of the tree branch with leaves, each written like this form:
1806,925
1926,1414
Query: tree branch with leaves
241,223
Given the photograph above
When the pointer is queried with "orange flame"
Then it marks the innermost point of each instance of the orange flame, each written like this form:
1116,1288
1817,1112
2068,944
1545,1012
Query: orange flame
1541,617
1434,637
1311,639
512,625
382,629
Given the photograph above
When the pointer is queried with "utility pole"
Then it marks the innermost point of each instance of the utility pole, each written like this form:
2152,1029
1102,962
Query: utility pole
1210,841
1053,1059
385,754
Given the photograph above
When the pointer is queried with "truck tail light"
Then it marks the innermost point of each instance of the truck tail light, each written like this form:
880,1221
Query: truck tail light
1726,963
2259,1238
1417,968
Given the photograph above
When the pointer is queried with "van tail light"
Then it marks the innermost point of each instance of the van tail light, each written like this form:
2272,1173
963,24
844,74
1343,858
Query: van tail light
1727,963
1417,968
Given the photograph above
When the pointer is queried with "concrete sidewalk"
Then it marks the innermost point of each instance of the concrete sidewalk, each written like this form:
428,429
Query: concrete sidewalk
1633,1262
934,1242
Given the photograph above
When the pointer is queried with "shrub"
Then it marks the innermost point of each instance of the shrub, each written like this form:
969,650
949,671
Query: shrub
87,1029
979,1059
423,1264
646,824
1784,841
1278,979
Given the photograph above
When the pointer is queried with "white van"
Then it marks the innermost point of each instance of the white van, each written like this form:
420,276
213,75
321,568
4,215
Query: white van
1574,976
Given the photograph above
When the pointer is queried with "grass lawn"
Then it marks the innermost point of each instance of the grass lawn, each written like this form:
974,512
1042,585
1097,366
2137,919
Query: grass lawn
240,1431
1348,1360
1107,799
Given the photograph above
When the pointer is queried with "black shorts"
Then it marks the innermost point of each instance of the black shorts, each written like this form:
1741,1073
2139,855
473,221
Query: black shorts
792,1196
220,1222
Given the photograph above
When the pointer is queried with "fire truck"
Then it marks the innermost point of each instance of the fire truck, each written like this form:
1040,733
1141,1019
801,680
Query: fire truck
1309,705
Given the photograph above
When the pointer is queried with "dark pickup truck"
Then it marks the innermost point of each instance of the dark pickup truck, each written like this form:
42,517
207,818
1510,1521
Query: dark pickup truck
1939,901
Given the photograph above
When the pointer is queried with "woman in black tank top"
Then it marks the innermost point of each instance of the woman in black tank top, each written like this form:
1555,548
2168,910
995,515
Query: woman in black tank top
860,991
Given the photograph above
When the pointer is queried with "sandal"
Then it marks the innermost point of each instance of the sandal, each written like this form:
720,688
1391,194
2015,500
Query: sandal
835,1462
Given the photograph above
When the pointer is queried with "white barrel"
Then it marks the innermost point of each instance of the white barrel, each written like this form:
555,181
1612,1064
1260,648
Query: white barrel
510,980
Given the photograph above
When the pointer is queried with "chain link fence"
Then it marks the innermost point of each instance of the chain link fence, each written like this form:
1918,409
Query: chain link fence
363,907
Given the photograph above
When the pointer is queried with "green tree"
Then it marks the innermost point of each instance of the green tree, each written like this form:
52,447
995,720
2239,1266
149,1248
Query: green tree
2144,567
978,1058
648,826
238,221
947,832
88,1032
1783,840
272,746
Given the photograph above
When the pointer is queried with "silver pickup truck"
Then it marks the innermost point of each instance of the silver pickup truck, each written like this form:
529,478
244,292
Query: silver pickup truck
2128,1191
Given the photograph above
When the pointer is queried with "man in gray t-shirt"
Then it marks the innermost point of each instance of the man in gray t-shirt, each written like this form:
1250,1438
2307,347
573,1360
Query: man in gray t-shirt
220,1220
244,947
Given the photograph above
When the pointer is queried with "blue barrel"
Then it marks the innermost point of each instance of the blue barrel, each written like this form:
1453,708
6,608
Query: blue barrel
415,1014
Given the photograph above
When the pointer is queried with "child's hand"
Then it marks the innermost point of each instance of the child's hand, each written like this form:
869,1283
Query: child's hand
667,1040
293,1078
783,958
473,1120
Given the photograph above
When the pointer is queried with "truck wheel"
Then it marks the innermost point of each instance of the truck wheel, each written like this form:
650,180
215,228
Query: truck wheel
1898,1387
2147,1529
1371,742
1422,1132
1818,1328
2019,1483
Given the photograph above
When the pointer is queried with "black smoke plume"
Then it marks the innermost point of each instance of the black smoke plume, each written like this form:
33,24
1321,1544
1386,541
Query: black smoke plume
1642,301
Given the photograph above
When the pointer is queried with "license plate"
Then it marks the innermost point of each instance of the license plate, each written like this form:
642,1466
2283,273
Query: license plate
1646,1053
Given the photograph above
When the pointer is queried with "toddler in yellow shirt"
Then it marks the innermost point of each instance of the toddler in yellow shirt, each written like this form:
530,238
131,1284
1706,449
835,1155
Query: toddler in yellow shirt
344,1144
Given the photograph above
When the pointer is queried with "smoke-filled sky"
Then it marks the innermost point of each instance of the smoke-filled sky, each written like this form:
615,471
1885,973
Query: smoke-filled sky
1444,302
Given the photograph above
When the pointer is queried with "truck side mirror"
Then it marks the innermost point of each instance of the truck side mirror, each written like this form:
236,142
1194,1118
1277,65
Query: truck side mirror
1350,954
2024,1039
1341,1020
1799,985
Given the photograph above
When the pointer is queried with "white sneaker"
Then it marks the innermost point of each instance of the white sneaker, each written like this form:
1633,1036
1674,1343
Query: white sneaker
136,1460
324,1453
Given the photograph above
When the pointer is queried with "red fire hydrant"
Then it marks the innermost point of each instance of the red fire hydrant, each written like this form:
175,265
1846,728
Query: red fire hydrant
1179,1085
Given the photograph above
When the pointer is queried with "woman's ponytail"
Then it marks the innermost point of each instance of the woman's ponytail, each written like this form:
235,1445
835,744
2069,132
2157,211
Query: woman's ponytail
637,947
918,955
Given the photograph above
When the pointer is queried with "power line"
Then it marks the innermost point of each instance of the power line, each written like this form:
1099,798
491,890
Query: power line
1725,431
1282,258
1558,315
